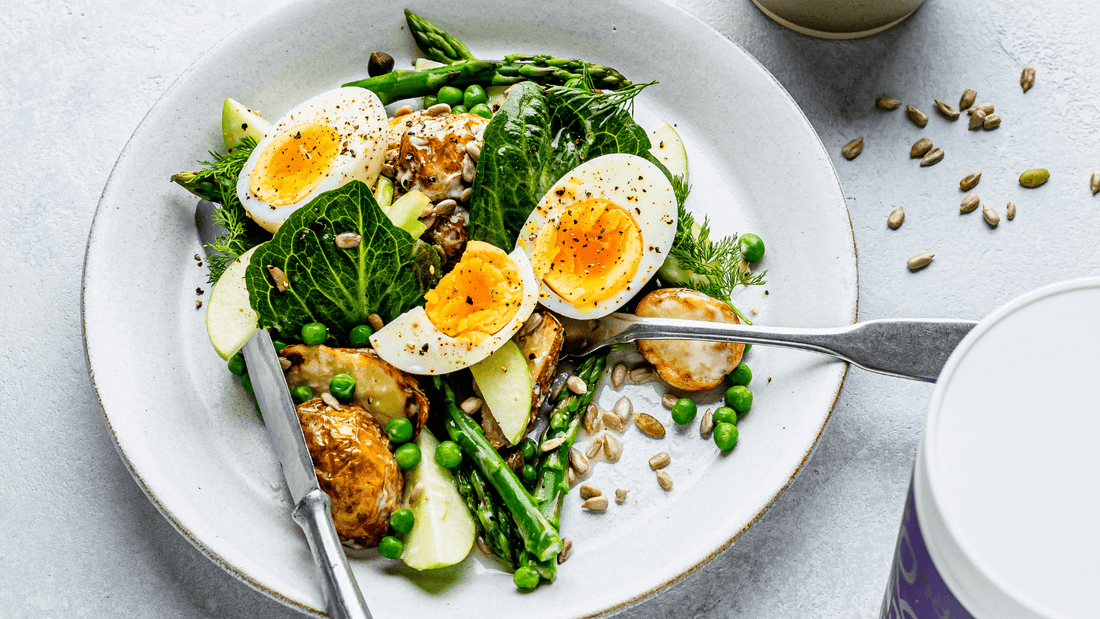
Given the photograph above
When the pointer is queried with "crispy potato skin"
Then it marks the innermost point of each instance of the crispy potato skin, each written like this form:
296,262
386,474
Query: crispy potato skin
354,467
685,364
541,348
426,152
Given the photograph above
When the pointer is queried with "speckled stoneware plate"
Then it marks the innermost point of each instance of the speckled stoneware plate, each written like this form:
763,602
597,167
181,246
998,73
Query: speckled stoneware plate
194,442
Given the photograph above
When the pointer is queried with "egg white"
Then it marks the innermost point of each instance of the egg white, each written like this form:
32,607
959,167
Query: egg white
632,183
359,119
413,344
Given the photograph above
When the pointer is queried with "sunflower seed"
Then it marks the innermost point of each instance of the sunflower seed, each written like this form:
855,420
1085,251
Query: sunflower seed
285,363
402,111
918,117
552,444
920,148
969,203
416,493
887,103
277,275
375,321
469,169
623,409
1010,211
348,240
578,462
331,400
438,109
669,400
620,495
1034,177
641,374
612,448
464,197
593,423
967,98
588,491
896,217
933,157
984,108
919,261
706,425
852,149
946,109
594,447
970,181
976,120
1094,182
649,425
471,405
473,150
613,422
572,477
660,460
664,479
566,548
577,385
618,375
1027,78
444,208
991,217
532,323
595,504
483,547
991,121
556,391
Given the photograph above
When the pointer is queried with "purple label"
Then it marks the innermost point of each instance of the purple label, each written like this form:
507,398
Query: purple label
915,589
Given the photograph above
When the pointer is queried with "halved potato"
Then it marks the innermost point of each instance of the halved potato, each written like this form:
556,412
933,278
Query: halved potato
541,348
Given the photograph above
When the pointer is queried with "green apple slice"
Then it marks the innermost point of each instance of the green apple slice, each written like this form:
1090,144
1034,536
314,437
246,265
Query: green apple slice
230,320
444,532
239,122
505,384
668,148
423,64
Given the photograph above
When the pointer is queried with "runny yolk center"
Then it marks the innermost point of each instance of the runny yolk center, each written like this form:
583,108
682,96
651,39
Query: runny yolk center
293,164
479,297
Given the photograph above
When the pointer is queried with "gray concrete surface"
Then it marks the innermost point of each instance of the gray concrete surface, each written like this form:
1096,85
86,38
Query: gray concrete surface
79,539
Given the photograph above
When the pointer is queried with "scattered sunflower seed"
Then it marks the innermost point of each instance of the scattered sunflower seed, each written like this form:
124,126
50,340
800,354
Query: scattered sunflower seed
375,322
660,460
1094,182
277,275
897,216
566,548
620,495
669,400
624,408
649,425
887,103
613,421
416,492
464,197
970,181
438,110
471,405
852,149
991,121
984,108
919,261
641,374
706,425
664,479
1027,78
589,490
920,148
403,111
552,444
918,117
592,420
967,98
969,202
484,548
578,461
946,109
612,448
991,217
1010,211
594,448
976,121
1034,177
618,375
572,477
577,385
348,240
933,157
595,504
331,400
469,169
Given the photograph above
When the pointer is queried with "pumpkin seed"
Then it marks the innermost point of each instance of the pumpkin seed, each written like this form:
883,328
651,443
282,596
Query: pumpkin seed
946,109
660,460
706,424
918,117
664,479
932,158
984,108
612,448
595,504
1034,177
852,149
669,400
649,425
895,218
920,148
919,261
976,121
1027,78
1010,211
991,121
348,240
618,375
588,491
620,495
970,181
566,548
991,217
1094,182
887,103
277,275
967,98
969,203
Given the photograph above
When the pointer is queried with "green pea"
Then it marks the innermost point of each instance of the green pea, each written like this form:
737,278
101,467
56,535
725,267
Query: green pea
246,383
741,375
236,364
342,386
314,333
407,455
399,429
526,578
752,247
748,347
430,100
448,454
360,336
459,109
684,411
482,110
301,394
449,95
528,474
279,345
527,447
474,95
402,520
725,436
391,547
725,414
739,398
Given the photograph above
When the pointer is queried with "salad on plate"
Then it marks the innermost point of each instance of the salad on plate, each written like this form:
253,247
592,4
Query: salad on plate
412,240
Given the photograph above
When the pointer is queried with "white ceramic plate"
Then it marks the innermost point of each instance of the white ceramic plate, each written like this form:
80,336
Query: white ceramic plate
197,448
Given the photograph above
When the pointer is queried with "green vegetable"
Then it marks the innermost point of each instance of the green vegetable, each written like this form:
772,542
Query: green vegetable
405,212
448,454
246,384
301,394
751,246
236,364
342,387
493,520
449,95
725,436
359,337
725,414
474,95
528,474
459,109
279,345
482,110
429,100
526,578
383,192
239,122
391,547
314,333
435,43
748,347
387,273
399,429
527,449
741,375
684,411
407,455
402,520
739,398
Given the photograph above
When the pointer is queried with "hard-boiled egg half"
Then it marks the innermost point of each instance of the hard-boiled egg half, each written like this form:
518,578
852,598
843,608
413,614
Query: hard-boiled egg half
329,140
600,234
471,313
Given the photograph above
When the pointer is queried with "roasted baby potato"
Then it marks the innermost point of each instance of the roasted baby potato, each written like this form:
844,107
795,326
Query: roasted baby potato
426,152
687,364
541,347
354,467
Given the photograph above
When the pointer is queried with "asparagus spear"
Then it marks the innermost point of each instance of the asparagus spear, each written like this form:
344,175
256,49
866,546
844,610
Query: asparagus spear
494,523
435,43
202,183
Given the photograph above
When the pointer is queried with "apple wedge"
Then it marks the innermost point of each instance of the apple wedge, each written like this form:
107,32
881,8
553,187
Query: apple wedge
444,531
505,383
230,320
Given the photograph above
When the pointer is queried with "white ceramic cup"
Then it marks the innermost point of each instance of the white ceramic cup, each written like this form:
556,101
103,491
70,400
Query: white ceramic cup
838,19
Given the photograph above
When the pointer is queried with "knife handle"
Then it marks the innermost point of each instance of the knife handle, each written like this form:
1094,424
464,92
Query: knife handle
342,596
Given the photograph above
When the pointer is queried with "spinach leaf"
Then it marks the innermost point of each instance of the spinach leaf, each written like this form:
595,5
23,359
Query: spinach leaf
387,273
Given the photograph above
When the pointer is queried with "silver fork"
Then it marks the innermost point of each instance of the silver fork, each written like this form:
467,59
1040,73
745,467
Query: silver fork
909,348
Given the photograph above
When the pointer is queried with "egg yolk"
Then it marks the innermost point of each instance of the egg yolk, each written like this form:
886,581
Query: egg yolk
294,163
590,254
479,297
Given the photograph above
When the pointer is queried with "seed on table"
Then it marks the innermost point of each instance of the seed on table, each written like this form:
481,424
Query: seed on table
976,121
641,373
852,149
969,203
375,322
566,548
1027,78
592,421
624,408
471,405
595,504
589,490
1010,211
577,385
946,109
896,218
578,461
932,158
992,121
984,108
594,448
348,240
572,477
669,400
919,261
1094,182
613,421
887,103
660,460
706,424
918,117
612,448
620,495
618,375
1034,177
967,99
552,444
970,181
920,148
664,479
991,217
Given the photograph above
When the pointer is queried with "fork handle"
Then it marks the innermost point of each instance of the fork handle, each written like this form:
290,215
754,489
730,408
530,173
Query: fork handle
909,348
